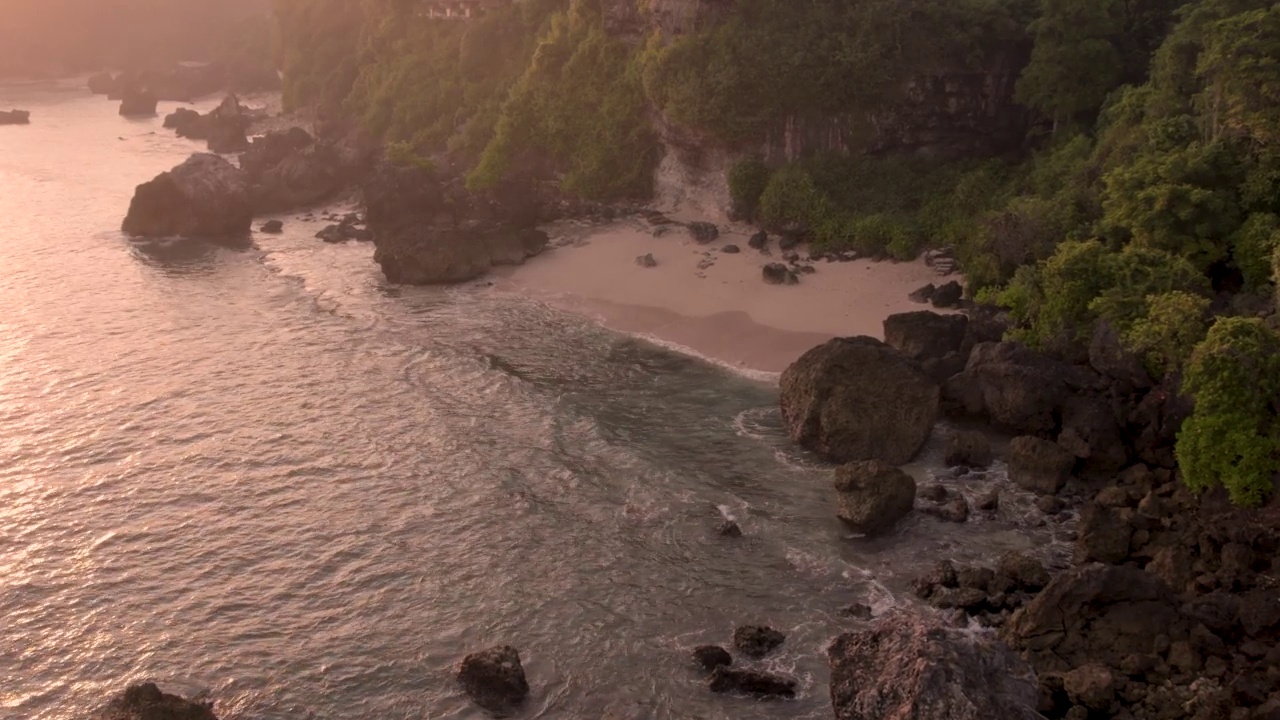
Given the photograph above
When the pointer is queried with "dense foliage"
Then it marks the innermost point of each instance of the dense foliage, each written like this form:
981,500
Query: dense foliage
1233,438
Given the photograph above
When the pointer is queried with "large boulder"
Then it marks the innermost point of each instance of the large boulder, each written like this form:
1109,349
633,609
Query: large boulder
924,335
204,196
1013,386
1039,465
15,117
494,678
906,667
858,399
1091,432
102,83
872,496
146,702
186,122
1096,613
138,102
428,231
289,169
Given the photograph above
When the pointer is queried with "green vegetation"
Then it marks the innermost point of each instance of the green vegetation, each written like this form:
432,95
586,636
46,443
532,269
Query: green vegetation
1233,438
747,182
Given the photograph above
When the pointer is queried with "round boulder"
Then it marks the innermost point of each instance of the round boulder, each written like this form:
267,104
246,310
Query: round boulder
858,399
204,196
494,678
873,496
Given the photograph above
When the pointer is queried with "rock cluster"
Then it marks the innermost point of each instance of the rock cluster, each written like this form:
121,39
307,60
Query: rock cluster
754,641
145,701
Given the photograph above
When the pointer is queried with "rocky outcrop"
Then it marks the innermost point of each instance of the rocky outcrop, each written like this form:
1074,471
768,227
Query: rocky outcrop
907,667
290,169
710,657
757,640
1039,465
1091,432
431,231
137,102
102,83
948,295
1014,387
858,399
494,678
223,127
925,335
205,196
872,496
147,702
15,117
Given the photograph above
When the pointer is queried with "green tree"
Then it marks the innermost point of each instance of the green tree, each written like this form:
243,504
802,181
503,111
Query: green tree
1074,63
1240,69
1233,437
1173,325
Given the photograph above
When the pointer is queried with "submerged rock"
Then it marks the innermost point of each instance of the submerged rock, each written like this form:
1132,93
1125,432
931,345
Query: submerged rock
968,448
204,196
757,640
858,399
751,682
147,702
955,510
494,678
15,117
729,528
872,496
911,668
710,657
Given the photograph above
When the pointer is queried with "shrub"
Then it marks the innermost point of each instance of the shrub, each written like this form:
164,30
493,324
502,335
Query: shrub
747,182
1233,437
1252,247
1174,324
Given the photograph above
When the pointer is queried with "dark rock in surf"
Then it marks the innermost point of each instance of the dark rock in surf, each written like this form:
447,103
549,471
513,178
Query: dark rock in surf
205,196
272,227
858,399
138,102
102,83
757,640
146,702
924,335
729,528
494,678
751,682
710,657
871,496
15,117
968,448
955,510
906,666
933,493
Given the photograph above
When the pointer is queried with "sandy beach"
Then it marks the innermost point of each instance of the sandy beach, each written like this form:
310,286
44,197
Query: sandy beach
712,303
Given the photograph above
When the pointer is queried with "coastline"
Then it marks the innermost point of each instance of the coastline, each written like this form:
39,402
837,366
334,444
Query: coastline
712,303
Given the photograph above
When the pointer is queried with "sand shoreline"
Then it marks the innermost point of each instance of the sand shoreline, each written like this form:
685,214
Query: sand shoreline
703,300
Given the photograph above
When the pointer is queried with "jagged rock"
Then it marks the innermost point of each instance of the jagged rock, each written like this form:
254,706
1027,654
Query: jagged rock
923,295
751,682
729,528
925,335
289,169
494,678
1096,613
948,295
730,249
911,668
858,399
1039,465
1014,387
757,640
778,274
955,510
957,598
102,83
968,448
703,232
272,227
710,657
15,117
204,196
1091,685
138,103
646,261
147,702
759,241
185,121
1025,571
1105,534
872,496
429,232
1091,433
989,500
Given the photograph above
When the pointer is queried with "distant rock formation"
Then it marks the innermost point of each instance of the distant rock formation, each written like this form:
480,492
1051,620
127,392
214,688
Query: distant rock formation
15,117
205,196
